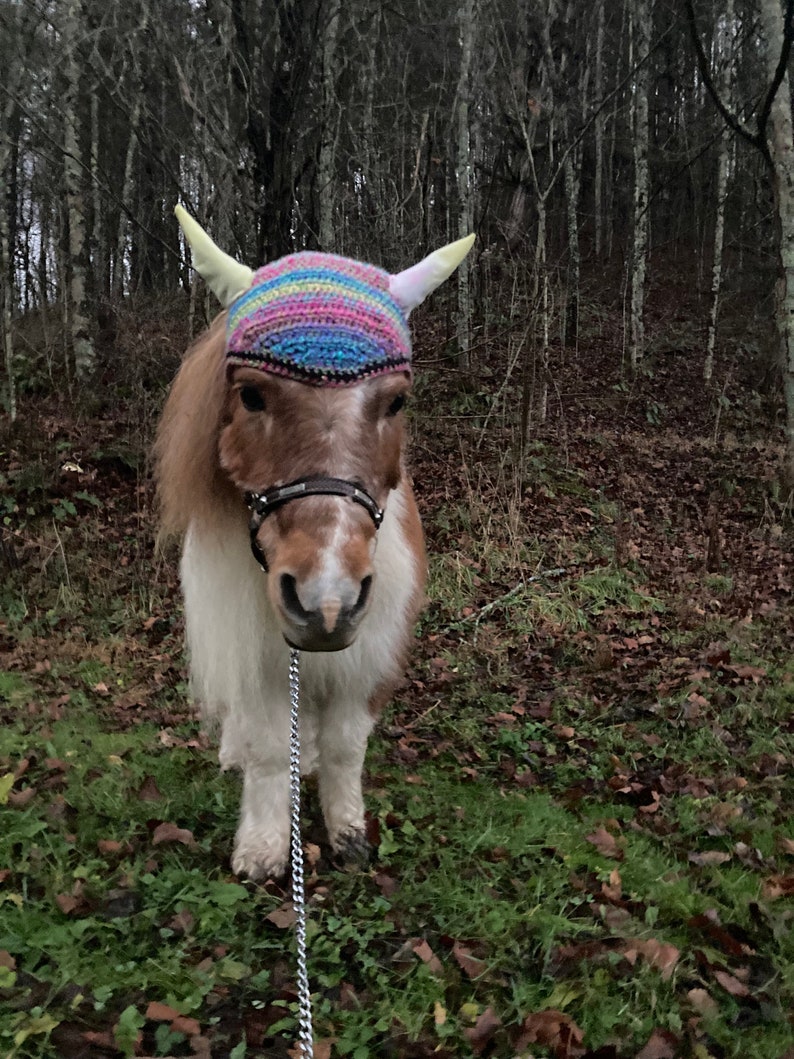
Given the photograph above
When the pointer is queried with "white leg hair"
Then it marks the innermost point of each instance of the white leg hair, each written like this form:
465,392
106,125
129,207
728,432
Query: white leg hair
342,741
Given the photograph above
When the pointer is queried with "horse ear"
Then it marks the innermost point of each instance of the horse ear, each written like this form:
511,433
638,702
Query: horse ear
225,277
411,287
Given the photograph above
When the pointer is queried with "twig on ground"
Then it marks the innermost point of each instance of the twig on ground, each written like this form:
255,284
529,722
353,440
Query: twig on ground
486,608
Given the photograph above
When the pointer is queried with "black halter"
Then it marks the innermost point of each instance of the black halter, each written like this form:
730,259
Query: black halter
263,504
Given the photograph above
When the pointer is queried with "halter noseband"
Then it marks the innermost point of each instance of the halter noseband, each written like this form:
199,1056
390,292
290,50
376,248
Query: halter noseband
263,504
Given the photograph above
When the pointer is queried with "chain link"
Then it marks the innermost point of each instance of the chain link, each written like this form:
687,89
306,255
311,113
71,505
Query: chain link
305,1037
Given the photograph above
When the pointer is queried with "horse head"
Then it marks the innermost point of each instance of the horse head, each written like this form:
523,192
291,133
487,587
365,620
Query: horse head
316,371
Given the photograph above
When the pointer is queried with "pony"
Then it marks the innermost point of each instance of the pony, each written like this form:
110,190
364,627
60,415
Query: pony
280,463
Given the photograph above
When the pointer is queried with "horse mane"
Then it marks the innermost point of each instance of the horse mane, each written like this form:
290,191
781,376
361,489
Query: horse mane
190,484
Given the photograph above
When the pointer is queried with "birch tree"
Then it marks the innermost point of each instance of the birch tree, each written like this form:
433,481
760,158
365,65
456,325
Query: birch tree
82,346
326,175
723,39
772,133
640,40
463,165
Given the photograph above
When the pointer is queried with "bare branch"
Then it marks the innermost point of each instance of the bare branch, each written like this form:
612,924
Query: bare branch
780,72
755,137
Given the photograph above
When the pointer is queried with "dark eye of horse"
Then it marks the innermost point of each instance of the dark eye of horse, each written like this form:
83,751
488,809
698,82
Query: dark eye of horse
252,399
397,405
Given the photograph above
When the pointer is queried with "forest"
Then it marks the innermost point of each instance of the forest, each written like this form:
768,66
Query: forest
580,799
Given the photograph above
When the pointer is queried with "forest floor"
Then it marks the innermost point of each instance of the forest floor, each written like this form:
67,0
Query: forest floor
581,799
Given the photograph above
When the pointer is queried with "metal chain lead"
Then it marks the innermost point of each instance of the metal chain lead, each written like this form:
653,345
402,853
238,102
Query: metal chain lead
305,1037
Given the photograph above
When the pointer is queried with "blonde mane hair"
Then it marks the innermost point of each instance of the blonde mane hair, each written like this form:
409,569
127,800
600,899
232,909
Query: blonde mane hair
190,483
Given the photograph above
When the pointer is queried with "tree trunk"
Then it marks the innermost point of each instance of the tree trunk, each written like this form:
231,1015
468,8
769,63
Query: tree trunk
641,35
326,163
82,346
780,135
463,165
598,133
723,30
571,170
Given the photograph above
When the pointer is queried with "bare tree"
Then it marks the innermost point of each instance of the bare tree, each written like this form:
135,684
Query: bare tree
772,134
84,357
640,40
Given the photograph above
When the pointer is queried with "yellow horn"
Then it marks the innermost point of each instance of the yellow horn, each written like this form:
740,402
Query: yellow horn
411,287
225,277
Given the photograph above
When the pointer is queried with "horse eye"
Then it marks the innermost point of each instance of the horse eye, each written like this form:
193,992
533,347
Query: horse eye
397,405
252,399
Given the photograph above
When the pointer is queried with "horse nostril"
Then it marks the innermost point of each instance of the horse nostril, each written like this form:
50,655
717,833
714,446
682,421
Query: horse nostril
363,595
291,600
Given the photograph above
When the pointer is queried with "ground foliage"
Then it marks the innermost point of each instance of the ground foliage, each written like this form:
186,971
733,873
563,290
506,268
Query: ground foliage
581,798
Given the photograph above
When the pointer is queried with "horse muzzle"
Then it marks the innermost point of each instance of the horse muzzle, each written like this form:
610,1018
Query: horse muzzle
317,618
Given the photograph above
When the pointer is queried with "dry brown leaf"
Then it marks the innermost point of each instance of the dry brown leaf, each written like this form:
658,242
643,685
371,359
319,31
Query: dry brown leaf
469,964
614,888
662,1045
149,791
167,832
67,903
702,1001
158,1012
481,1032
709,856
778,886
605,843
657,954
427,956
730,984
283,916
110,845
554,1029
184,1024
19,799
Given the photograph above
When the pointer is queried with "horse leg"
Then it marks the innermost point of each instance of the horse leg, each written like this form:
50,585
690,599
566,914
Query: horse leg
342,745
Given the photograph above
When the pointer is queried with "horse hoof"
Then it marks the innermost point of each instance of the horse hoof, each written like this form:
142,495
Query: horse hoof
352,848
258,867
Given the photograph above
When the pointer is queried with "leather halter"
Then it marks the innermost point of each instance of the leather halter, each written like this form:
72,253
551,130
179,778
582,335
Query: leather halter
263,504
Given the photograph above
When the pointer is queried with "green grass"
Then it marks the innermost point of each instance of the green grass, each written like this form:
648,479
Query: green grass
582,799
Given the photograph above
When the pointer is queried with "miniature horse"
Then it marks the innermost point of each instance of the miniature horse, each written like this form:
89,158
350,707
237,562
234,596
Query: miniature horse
300,384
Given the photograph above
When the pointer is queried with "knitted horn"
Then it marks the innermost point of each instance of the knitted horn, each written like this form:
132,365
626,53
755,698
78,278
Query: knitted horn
225,277
411,287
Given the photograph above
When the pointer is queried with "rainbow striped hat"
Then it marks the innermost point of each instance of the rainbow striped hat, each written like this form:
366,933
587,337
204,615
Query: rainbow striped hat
321,319
318,318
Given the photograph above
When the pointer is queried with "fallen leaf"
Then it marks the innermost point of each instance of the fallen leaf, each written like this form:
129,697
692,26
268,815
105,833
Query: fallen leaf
149,791
614,888
730,984
469,964
182,922
184,1024
658,954
554,1029
67,903
110,845
167,832
19,799
702,1001
605,843
421,948
158,1012
709,856
778,886
439,1014
661,1045
283,916
481,1032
